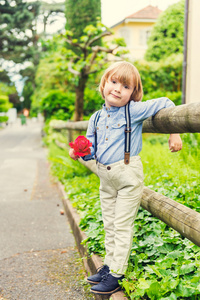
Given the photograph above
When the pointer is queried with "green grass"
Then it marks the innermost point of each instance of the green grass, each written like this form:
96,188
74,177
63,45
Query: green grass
175,175
163,265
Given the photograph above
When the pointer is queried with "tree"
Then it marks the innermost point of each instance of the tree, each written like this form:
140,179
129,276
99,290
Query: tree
49,12
91,59
80,13
17,38
168,33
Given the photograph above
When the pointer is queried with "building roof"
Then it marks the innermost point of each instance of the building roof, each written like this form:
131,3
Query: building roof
149,13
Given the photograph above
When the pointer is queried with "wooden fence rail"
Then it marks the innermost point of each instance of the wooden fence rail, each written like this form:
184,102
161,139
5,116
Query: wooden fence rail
178,216
180,119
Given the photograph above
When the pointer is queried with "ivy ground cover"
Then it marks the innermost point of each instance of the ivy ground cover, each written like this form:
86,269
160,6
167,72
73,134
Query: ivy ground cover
163,265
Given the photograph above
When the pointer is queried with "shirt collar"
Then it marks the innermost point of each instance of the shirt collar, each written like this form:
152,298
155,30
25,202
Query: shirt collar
111,109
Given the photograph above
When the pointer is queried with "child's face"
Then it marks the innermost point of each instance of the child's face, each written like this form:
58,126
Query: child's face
116,93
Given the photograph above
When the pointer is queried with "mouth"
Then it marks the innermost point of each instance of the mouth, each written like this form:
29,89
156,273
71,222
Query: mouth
115,96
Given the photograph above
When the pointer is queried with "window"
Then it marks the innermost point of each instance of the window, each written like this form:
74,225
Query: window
144,36
125,33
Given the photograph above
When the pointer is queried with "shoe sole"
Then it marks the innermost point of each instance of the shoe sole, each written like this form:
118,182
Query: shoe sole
106,293
92,282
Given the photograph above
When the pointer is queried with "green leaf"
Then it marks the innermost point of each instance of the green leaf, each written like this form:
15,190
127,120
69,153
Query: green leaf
172,296
175,254
185,269
143,284
154,291
166,248
183,291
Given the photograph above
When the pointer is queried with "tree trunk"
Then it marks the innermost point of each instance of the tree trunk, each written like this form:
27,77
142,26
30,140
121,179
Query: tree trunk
79,99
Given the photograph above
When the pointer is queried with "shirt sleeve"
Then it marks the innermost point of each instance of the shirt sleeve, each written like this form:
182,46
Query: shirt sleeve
143,110
91,138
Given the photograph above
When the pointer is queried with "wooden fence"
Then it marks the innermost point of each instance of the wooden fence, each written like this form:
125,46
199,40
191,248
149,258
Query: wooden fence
179,119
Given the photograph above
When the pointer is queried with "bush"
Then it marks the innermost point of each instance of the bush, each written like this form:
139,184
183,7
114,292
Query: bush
58,105
4,103
174,96
3,119
92,101
165,75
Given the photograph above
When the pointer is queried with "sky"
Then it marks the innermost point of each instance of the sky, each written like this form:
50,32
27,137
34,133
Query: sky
113,11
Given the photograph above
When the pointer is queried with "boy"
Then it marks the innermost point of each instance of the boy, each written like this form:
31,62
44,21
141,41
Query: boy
116,145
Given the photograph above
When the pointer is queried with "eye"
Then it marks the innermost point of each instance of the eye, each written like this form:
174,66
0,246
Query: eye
126,87
113,81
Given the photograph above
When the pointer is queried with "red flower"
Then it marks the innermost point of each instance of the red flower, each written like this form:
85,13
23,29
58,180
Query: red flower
81,145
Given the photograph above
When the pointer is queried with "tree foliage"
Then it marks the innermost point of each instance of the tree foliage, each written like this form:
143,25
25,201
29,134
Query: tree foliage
17,38
52,73
168,33
91,59
80,13
20,39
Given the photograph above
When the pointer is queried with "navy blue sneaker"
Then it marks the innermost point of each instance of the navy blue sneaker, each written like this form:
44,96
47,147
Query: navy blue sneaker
108,285
96,278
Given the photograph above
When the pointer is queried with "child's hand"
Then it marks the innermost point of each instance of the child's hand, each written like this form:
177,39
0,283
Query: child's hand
175,142
72,155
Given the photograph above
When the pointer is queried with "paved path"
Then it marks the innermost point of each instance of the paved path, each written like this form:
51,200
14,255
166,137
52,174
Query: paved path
38,256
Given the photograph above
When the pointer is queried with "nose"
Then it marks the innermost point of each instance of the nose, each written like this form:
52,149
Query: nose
118,87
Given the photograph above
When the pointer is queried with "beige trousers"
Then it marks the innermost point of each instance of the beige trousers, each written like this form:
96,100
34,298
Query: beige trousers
121,189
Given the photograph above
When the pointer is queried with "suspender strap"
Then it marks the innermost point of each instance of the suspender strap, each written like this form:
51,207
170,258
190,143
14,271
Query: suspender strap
95,131
127,135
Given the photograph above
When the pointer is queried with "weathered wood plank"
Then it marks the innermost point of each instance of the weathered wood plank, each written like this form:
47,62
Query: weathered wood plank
80,125
183,219
178,119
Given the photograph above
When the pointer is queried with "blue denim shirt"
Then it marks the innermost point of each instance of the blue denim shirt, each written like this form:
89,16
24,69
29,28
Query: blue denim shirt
111,125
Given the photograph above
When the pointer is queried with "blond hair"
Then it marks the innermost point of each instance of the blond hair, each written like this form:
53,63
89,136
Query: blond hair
125,71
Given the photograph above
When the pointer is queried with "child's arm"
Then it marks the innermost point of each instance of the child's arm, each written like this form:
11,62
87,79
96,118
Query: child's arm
72,155
175,142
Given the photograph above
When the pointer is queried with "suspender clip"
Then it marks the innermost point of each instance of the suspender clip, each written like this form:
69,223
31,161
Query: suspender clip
127,129
126,158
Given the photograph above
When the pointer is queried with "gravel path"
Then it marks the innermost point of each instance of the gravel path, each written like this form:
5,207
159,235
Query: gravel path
38,256
50,274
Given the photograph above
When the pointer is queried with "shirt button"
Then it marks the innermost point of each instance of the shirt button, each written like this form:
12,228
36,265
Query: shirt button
106,127
106,139
108,116
108,168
